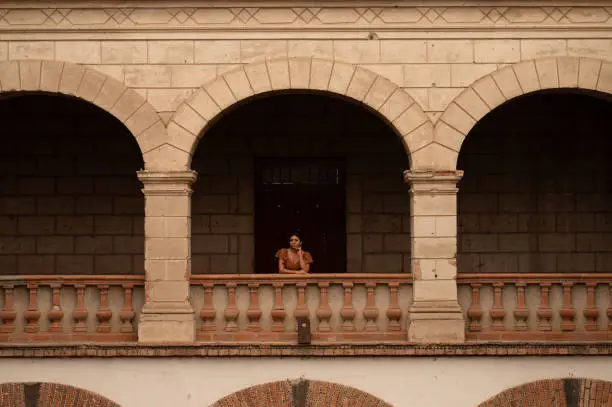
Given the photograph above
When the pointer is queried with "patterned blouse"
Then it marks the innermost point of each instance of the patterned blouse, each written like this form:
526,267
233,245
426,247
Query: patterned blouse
292,262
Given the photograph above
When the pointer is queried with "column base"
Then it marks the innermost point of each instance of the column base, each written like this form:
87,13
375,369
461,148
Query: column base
436,322
165,323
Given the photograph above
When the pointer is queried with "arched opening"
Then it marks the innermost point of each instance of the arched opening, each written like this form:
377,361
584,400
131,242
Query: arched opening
300,392
49,394
303,162
536,195
555,392
70,202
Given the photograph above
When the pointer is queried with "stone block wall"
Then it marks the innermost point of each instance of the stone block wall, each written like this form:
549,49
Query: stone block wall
432,65
432,71
70,202
377,206
537,195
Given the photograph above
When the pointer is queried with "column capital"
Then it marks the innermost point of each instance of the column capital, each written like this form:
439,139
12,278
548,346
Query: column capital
167,182
432,182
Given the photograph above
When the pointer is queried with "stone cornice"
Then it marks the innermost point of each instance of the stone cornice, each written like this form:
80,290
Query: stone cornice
517,349
433,182
167,183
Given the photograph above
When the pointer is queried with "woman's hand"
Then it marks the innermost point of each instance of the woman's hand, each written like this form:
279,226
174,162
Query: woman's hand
300,253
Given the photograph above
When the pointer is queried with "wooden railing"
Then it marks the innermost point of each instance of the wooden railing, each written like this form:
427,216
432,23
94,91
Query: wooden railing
352,308
69,308
537,306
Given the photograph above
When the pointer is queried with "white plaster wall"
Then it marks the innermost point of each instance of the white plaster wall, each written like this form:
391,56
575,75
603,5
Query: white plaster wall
403,382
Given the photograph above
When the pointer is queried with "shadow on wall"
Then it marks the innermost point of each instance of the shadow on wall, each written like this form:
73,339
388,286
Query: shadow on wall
303,393
568,392
49,395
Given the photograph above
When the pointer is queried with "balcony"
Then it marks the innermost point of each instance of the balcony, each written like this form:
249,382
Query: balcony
537,307
340,308
349,308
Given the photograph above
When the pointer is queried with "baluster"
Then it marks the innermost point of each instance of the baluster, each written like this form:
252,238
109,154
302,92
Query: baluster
394,313
348,312
370,313
208,312
609,310
591,313
127,314
544,311
567,311
104,314
475,310
521,313
278,312
301,310
254,312
497,311
80,312
324,311
8,313
32,314
231,311
55,315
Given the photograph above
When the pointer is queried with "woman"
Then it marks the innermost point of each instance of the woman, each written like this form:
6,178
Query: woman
294,260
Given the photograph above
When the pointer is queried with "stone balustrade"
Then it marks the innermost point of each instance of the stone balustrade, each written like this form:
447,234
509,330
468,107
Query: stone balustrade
341,308
351,308
537,306
70,308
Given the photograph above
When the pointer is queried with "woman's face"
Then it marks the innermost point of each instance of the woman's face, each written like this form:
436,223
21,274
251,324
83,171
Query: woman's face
295,242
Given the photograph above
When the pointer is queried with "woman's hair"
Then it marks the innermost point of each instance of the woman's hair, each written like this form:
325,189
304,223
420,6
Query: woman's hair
295,235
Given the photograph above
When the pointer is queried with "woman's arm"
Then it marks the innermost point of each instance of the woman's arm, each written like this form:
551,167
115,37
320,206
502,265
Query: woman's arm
281,267
283,270
304,266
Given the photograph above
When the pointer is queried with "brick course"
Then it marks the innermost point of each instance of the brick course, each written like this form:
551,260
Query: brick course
569,392
49,395
307,393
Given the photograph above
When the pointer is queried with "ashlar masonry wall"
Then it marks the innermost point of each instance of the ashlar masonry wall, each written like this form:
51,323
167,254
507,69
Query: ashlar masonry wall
536,195
70,202
433,71
377,201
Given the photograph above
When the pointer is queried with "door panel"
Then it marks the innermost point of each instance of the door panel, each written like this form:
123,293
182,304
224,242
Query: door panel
300,196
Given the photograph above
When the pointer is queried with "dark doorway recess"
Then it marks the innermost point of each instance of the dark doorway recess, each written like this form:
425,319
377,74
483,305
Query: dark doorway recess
305,196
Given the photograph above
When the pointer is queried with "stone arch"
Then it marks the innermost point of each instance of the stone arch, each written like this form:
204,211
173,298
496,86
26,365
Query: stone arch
50,395
379,94
308,393
491,91
555,392
66,78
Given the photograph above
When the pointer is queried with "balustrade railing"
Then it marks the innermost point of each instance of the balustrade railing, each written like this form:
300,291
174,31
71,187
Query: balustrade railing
537,306
357,308
341,308
69,308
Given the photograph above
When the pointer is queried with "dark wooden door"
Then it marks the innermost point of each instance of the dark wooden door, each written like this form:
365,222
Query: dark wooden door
305,196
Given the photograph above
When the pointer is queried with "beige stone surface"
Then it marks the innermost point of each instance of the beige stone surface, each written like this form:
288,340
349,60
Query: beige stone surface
431,73
425,76
497,51
124,52
80,52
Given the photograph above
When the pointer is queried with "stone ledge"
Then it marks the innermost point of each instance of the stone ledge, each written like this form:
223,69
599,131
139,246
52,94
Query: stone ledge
255,350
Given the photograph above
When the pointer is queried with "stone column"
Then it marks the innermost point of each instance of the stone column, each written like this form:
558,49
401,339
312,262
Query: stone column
167,315
435,315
